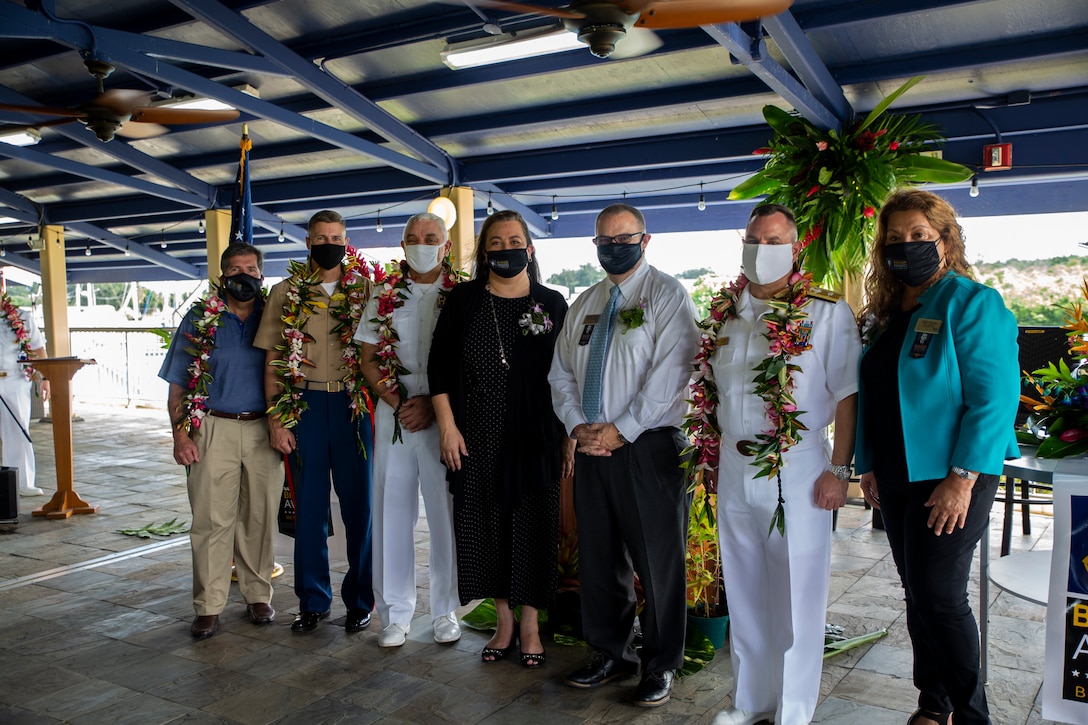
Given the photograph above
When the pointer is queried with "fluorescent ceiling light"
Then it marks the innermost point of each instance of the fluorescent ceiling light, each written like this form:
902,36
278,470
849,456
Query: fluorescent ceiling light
202,104
7,219
508,46
22,137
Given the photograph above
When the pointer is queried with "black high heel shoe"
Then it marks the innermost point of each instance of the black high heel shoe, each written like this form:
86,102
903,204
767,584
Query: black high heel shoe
532,660
497,655
942,718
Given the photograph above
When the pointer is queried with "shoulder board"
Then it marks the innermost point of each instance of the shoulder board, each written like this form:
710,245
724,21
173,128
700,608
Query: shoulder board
826,295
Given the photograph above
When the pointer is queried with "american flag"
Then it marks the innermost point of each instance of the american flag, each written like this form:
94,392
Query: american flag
241,211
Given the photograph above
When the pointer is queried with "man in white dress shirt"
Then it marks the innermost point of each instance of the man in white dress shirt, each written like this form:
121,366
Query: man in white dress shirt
15,390
777,584
411,464
629,490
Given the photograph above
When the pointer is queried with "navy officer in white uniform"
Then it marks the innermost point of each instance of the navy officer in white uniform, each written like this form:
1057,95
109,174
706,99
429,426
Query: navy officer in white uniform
630,494
777,584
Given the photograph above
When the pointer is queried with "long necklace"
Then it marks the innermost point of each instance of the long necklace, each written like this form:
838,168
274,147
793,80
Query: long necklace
498,332
22,336
774,384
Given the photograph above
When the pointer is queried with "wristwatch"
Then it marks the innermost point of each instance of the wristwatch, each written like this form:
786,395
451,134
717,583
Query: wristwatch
840,472
963,473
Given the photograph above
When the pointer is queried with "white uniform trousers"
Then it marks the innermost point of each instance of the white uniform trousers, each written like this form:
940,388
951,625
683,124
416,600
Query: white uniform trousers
234,492
18,452
401,472
776,586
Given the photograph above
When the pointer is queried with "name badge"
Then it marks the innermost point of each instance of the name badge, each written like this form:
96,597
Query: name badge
804,332
588,323
921,344
929,326
723,341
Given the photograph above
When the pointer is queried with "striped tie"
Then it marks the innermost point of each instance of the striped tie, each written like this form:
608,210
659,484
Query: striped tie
598,346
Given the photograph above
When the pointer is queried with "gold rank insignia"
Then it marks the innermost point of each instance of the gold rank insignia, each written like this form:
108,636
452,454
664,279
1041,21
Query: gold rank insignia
826,295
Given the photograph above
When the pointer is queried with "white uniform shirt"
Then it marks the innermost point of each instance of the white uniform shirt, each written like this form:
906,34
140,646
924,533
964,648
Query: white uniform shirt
414,322
829,370
9,346
646,369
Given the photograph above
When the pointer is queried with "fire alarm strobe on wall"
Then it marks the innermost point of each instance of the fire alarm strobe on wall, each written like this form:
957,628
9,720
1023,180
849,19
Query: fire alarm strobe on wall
997,157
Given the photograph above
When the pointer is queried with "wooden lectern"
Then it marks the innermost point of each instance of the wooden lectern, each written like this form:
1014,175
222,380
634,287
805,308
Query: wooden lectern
59,371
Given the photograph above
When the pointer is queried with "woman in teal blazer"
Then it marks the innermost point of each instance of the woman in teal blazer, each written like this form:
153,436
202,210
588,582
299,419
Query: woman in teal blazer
939,388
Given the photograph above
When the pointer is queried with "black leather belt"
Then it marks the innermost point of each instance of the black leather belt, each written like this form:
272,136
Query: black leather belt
332,386
236,416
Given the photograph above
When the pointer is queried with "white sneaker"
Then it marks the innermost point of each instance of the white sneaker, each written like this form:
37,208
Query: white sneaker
447,629
736,716
394,635
31,491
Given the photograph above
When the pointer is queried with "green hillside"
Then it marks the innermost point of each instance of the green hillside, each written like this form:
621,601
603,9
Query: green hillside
1032,289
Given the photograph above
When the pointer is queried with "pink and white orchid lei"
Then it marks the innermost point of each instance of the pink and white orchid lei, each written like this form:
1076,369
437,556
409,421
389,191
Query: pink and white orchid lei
394,280
774,383
18,327
194,406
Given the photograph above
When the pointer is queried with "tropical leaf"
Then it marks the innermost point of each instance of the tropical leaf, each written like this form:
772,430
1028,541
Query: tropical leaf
758,184
888,101
164,529
932,170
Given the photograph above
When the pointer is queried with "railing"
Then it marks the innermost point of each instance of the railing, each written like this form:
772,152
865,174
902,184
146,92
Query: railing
127,372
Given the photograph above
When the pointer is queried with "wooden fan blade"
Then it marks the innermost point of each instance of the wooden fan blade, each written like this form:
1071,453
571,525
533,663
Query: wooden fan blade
141,130
120,100
44,110
693,13
165,114
534,9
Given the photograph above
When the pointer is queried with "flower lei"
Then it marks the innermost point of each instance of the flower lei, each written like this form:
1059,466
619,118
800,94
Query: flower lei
22,336
347,308
394,281
774,383
536,321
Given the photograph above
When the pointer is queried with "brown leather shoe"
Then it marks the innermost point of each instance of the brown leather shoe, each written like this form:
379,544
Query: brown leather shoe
204,625
261,613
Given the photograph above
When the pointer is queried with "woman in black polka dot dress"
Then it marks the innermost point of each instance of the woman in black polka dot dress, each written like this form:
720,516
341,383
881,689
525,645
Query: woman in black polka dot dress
503,446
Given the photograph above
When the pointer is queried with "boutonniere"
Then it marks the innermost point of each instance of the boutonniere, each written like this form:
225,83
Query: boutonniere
535,321
633,317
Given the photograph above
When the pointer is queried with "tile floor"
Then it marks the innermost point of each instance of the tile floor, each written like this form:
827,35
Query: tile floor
94,627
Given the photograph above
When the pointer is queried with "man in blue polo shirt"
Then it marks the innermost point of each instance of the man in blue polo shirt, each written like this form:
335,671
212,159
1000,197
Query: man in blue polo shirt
217,412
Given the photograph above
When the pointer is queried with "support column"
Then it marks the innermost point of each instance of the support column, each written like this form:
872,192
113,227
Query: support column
55,292
463,233
217,222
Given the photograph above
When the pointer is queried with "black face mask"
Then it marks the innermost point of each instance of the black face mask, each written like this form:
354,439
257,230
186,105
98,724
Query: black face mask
327,256
619,258
242,287
508,262
913,263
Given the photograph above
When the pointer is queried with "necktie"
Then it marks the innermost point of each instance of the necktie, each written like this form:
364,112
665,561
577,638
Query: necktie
598,346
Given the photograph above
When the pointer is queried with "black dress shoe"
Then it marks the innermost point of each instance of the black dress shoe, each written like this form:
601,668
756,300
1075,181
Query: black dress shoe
307,621
204,626
261,613
601,669
357,621
654,689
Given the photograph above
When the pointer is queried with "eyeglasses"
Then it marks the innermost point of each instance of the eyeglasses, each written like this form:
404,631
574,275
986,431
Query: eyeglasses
619,239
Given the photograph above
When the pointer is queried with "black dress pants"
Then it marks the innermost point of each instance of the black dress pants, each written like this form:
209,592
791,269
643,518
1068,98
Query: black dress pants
935,571
632,510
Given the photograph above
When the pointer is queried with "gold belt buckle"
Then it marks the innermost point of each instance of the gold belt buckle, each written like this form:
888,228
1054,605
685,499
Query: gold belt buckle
329,386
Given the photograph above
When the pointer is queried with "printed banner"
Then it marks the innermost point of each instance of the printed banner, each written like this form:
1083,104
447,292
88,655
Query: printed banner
1065,677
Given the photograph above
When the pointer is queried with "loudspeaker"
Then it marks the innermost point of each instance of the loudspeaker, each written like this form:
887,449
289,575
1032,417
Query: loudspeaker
1039,346
9,501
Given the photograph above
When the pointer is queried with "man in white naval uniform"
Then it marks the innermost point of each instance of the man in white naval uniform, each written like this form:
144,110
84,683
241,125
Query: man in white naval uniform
404,468
15,389
777,584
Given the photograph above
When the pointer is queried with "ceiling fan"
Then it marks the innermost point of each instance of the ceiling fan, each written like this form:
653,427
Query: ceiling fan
121,112
601,24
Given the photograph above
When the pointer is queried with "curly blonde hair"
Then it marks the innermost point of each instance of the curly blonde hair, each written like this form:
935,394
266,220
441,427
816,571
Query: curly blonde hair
883,290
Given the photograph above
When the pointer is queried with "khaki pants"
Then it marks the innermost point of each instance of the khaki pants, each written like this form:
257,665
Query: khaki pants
234,492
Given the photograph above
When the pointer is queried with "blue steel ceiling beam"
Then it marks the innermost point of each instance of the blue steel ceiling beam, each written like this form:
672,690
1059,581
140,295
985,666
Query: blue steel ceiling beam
337,93
19,207
27,153
263,109
808,66
752,53
18,22
156,257
826,15
17,260
537,223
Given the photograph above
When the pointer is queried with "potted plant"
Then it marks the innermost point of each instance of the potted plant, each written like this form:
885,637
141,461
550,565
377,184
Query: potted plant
707,609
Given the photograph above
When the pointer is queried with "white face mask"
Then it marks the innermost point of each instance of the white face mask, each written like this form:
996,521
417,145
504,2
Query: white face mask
423,258
767,263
